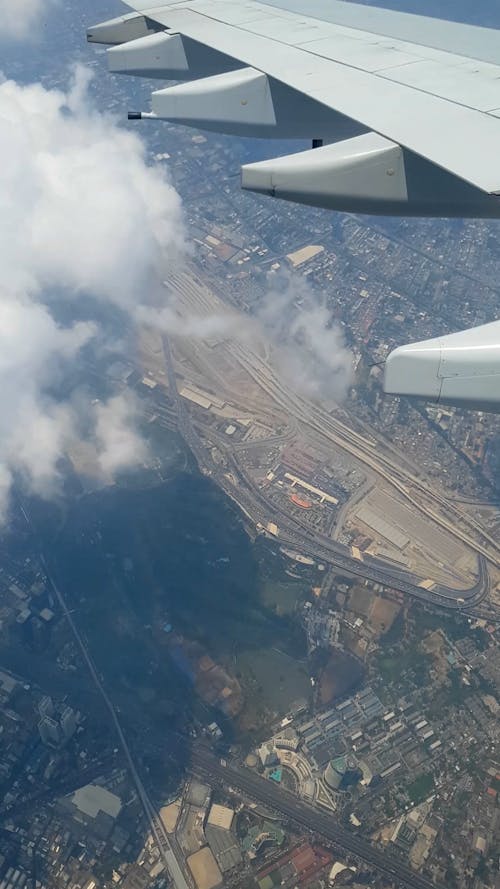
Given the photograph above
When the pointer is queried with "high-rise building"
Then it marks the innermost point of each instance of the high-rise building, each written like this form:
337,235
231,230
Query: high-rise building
50,731
334,773
268,755
68,722
46,707
341,773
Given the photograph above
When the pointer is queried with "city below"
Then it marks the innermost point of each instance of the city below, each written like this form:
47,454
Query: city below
269,655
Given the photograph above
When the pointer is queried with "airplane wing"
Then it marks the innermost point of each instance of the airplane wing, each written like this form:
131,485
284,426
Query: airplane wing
417,98
402,111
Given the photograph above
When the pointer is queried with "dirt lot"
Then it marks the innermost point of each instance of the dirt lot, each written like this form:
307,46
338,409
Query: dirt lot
205,869
360,600
379,613
435,645
383,614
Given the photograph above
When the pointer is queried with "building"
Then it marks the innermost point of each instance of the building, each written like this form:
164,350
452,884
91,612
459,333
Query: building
46,707
335,772
137,878
287,739
221,839
267,755
224,847
7,686
260,837
94,810
14,879
339,871
68,722
341,772
214,731
221,816
50,731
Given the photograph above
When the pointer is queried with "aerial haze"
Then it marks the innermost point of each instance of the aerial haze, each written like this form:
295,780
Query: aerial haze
249,605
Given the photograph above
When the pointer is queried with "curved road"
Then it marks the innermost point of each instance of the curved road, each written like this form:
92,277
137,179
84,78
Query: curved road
296,533
260,510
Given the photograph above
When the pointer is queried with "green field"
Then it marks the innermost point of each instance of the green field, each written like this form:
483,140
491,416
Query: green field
392,668
276,678
281,597
420,788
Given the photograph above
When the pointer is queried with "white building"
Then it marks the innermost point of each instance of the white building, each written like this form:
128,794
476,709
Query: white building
50,731
68,722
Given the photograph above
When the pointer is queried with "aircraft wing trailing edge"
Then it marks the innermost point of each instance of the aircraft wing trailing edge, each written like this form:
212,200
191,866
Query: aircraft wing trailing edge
406,108
402,111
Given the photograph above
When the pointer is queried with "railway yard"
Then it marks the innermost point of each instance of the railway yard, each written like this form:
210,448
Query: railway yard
304,471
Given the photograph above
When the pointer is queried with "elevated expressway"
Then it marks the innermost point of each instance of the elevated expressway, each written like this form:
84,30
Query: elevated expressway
375,454
370,453
307,816
298,534
168,853
261,510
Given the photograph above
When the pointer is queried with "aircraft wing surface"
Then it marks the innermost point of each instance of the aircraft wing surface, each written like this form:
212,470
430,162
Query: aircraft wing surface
436,92
402,111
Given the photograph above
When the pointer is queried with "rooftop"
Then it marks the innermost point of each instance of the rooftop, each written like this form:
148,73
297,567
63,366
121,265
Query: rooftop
221,816
93,799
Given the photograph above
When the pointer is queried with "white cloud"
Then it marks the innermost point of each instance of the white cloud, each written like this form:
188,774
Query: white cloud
20,18
34,428
119,444
310,348
81,213
307,348
80,207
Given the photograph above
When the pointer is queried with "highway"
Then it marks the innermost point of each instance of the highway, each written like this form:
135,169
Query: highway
371,455
159,833
307,816
295,533
374,452
261,510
